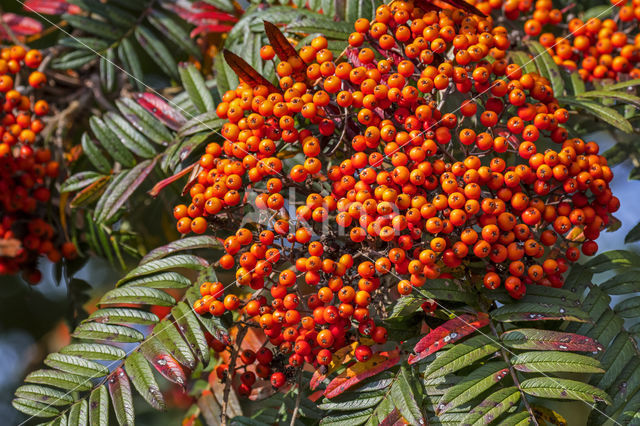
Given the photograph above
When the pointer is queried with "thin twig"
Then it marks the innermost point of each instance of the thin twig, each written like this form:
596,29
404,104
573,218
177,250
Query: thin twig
298,399
232,366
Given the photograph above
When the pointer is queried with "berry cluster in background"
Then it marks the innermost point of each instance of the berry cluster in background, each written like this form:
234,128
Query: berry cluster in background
28,169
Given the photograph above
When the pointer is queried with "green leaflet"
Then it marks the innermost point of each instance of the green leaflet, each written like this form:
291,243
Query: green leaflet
207,121
547,66
108,70
555,362
520,419
169,336
93,153
87,43
623,85
76,365
551,387
111,143
107,332
633,235
79,181
92,26
191,330
602,112
135,141
472,385
99,407
121,189
492,407
196,88
137,295
121,397
188,243
461,355
44,395
97,351
123,315
59,379
79,414
354,401
168,26
173,262
611,94
406,305
161,280
142,377
32,408
142,120
129,57
404,397
157,50
622,283
72,60
628,308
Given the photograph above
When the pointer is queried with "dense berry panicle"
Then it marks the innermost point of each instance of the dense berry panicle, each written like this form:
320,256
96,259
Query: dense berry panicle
26,170
397,190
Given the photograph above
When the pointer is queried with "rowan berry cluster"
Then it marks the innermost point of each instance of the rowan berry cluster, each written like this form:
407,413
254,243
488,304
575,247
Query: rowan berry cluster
26,171
596,48
410,193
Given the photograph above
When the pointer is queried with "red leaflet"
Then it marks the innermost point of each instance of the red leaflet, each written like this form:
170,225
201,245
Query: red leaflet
393,418
169,368
193,179
160,109
428,5
51,7
246,72
283,48
449,332
118,383
210,28
531,338
357,373
342,356
20,25
168,181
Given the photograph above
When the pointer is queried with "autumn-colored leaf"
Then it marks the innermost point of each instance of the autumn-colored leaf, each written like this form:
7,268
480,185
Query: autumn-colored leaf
531,338
246,72
460,4
163,362
427,6
19,25
161,110
449,332
357,373
342,356
168,181
284,49
210,28
193,178
50,7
